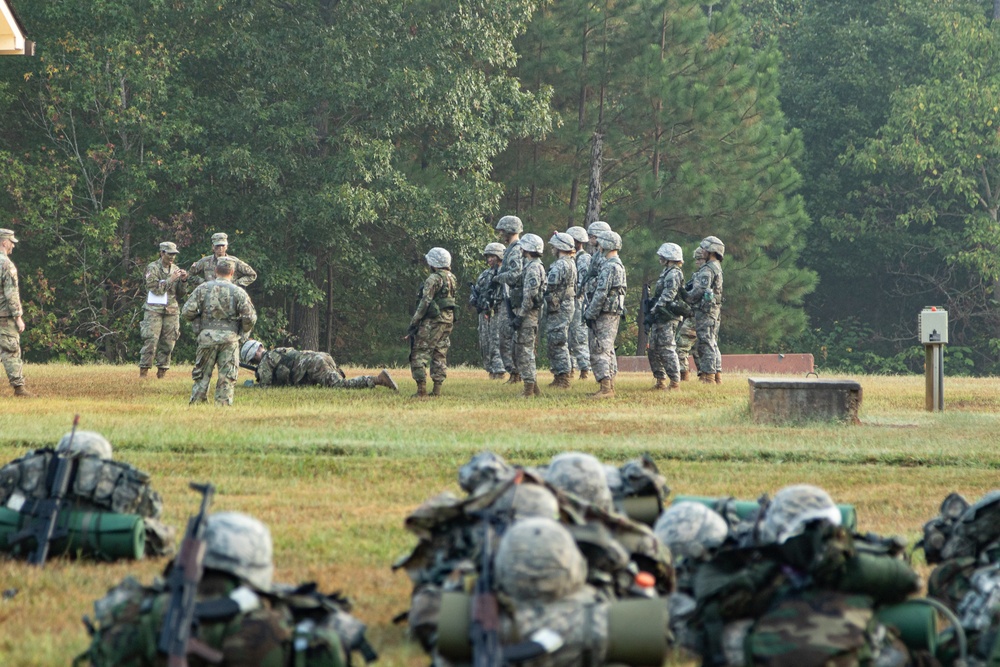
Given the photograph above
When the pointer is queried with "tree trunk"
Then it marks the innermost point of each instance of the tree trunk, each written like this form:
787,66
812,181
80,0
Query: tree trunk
594,194
329,307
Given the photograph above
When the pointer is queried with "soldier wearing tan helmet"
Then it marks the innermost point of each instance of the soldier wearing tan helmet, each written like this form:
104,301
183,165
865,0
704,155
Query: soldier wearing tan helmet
166,283
508,281
11,321
560,301
432,322
706,299
579,346
527,310
204,269
485,298
686,335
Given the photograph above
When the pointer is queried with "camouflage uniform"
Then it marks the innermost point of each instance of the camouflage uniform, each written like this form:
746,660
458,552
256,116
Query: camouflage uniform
288,366
706,299
221,313
161,324
662,344
489,322
560,301
10,310
528,307
509,275
605,309
579,346
686,338
203,271
433,319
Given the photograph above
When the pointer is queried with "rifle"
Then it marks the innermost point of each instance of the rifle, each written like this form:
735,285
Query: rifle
45,512
249,367
175,635
511,317
645,309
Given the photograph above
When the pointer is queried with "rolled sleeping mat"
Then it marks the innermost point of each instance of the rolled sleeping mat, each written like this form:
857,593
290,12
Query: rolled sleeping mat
915,621
455,626
885,579
644,509
745,508
637,632
104,535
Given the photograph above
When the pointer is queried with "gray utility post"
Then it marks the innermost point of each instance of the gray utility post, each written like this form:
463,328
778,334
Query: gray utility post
934,336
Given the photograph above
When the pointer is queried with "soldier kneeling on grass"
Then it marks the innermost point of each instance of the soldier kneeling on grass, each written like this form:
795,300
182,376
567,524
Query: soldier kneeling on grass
98,486
288,366
242,618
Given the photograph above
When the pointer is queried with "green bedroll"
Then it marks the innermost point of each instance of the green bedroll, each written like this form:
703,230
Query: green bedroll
103,535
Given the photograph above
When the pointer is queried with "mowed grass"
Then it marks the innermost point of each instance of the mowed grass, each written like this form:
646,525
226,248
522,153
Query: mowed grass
334,473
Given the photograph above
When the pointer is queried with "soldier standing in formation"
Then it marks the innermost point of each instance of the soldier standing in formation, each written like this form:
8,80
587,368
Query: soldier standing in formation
604,312
11,320
288,366
560,300
686,335
221,313
484,298
579,347
507,279
662,346
706,299
161,324
204,269
432,322
527,302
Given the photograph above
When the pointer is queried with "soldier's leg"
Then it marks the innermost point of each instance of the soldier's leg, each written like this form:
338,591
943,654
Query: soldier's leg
608,326
715,346
170,331
602,348
671,362
657,351
420,355
686,338
483,328
150,329
506,342
439,353
524,348
496,361
204,363
704,326
579,346
10,352
557,336
228,372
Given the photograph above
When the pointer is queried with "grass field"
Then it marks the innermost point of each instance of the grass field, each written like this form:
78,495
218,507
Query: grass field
334,473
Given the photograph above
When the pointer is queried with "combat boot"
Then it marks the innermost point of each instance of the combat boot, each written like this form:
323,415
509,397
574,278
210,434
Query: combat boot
607,390
160,372
718,378
561,381
383,379
684,376
536,390
515,378
674,384
143,372
421,389
198,398
498,376
22,392
707,378
436,391
661,385
584,374
529,389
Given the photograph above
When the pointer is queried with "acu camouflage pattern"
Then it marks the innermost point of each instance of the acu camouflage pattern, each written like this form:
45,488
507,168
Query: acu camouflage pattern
161,324
99,484
686,338
662,350
580,619
434,325
705,297
286,366
203,271
285,627
221,313
482,298
605,310
579,346
10,308
509,275
560,302
528,309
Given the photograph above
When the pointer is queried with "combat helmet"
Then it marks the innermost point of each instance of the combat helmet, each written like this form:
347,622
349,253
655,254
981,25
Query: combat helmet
88,443
714,244
579,234
691,530
609,240
240,545
792,509
438,258
249,350
510,224
532,243
597,226
671,252
538,560
699,253
494,249
562,241
582,475
525,501
483,468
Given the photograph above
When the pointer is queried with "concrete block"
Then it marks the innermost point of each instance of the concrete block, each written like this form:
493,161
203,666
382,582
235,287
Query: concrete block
779,401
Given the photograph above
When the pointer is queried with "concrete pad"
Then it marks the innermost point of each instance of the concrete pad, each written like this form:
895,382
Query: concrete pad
780,401
778,364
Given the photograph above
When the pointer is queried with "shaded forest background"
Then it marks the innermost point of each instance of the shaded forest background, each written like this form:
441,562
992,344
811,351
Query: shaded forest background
845,150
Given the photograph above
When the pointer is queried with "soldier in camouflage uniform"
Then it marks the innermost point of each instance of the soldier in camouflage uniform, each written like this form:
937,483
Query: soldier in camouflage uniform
604,312
687,337
705,297
11,321
221,314
527,308
560,302
204,269
662,350
245,618
161,322
286,366
483,298
432,322
508,282
579,345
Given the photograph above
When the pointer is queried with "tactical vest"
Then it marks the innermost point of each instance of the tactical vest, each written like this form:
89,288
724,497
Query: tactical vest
444,298
708,304
617,284
208,322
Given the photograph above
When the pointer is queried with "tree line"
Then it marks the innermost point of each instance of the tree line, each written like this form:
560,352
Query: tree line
843,150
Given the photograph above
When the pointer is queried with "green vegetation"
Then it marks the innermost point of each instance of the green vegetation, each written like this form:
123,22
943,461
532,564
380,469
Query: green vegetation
334,473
